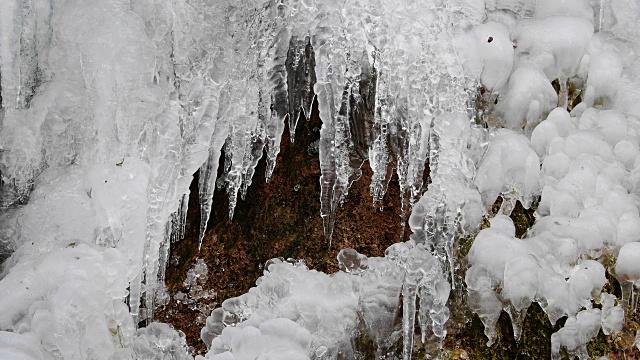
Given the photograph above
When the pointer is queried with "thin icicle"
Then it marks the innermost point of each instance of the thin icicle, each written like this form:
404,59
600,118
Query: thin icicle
239,148
160,206
378,153
207,183
409,296
299,81
252,157
277,80
236,150
327,162
182,217
209,170
329,88
160,293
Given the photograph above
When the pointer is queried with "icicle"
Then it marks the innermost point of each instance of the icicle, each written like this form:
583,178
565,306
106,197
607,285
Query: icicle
175,227
424,279
327,163
18,54
339,163
379,151
236,150
20,35
309,80
182,217
329,88
433,312
135,293
209,170
517,320
255,139
252,157
413,150
362,113
162,267
207,182
10,31
409,296
301,62
239,149
160,205
300,81
601,11
276,78
178,220
385,151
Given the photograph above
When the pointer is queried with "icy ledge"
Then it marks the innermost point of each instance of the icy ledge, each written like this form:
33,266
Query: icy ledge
294,312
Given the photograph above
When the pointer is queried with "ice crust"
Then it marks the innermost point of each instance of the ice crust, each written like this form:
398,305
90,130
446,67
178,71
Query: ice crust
297,313
510,169
20,347
78,250
587,180
108,108
589,205
589,198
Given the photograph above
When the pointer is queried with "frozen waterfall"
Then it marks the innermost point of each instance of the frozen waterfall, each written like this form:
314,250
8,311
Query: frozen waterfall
108,108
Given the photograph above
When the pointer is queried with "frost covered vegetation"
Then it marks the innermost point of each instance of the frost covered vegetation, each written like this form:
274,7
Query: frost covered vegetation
108,108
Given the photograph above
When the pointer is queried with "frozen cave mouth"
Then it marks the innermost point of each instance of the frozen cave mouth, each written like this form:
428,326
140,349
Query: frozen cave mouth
278,218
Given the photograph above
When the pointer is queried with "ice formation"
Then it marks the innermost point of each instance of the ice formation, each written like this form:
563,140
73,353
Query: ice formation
63,288
319,315
108,108
195,294
589,195
510,169
588,208
92,123
579,330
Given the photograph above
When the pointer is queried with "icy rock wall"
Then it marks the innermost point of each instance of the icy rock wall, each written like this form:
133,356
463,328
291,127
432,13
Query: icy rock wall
471,167
425,82
131,98
585,172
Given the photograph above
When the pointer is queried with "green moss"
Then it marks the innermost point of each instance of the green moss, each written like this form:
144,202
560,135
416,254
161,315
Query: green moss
536,335
535,342
522,218
464,245
599,346
475,342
